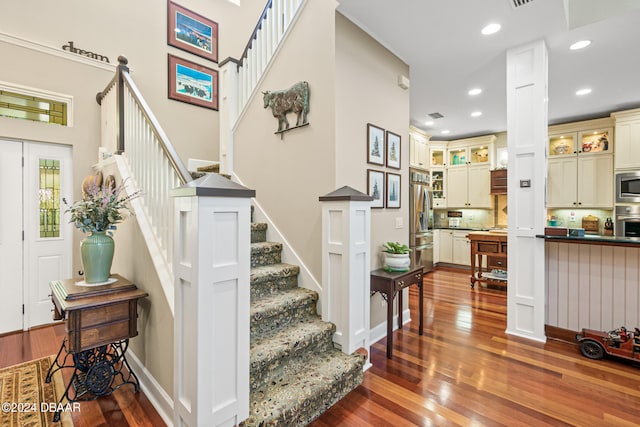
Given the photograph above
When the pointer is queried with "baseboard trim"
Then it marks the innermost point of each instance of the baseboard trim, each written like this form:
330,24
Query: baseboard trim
161,401
380,331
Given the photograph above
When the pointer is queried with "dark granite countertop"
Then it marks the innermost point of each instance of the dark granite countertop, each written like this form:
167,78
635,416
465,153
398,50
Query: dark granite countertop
594,239
462,228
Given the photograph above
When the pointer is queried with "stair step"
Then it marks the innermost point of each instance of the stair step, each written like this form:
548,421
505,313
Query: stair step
258,232
274,349
265,253
306,389
269,279
277,310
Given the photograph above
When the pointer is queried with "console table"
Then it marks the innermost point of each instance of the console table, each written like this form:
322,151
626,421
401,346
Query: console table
99,322
391,283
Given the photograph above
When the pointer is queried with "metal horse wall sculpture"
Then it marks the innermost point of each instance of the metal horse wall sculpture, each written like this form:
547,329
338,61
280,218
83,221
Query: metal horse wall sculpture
292,100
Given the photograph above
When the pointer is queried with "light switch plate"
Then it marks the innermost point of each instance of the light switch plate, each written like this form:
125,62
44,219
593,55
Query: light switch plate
399,222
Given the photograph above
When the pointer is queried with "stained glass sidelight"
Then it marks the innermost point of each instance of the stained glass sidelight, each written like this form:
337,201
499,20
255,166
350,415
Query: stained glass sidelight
49,198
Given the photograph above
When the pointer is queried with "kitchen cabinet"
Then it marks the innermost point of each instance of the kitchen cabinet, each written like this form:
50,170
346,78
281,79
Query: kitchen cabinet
469,187
438,187
446,246
627,132
580,173
438,156
418,149
461,248
499,181
436,246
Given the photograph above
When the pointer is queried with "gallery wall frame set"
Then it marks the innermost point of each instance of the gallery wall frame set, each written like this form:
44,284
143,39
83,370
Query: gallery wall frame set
192,83
192,32
383,147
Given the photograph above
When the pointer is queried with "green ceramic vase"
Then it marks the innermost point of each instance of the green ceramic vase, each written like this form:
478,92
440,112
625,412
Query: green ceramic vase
96,251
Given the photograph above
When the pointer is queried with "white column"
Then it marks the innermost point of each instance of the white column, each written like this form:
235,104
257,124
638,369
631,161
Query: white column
211,327
229,94
346,246
527,173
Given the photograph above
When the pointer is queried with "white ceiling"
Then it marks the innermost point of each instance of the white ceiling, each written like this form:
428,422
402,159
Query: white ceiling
441,42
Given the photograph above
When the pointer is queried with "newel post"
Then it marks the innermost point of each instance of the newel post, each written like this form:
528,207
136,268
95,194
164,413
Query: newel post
346,260
212,220
229,101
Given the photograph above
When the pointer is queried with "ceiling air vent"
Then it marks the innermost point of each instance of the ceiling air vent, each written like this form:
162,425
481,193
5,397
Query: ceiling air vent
518,3
435,115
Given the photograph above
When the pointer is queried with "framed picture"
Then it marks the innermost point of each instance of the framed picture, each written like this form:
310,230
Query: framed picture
192,83
375,187
393,190
375,145
191,32
393,150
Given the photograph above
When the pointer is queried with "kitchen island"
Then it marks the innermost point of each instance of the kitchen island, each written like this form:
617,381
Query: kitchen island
591,282
493,246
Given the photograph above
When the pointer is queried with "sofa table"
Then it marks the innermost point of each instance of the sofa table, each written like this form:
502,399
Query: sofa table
391,283
100,319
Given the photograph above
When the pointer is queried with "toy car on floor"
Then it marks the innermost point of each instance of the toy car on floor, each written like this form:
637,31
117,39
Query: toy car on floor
618,342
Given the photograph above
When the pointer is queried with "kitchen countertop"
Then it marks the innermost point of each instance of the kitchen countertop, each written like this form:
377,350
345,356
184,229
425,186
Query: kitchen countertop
594,239
462,228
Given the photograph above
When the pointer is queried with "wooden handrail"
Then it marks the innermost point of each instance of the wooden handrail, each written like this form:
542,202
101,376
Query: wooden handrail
263,16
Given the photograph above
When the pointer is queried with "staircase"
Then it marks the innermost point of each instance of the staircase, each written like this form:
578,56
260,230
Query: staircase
296,373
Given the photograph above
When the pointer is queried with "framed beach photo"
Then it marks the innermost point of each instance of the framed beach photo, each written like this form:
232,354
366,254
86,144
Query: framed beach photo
193,83
375,187
393,150
375,145
191,32
393,190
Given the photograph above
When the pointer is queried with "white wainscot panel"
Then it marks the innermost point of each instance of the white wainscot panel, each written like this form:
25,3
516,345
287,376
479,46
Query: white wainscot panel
224,297
525,315
225,229
360,231
49,268
335,226
525,197
335,287
524,272
187,377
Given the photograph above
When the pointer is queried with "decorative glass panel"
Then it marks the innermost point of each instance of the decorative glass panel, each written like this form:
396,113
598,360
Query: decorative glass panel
21,106
49,198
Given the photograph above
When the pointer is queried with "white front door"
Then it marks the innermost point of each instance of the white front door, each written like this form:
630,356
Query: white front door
11,266
43,251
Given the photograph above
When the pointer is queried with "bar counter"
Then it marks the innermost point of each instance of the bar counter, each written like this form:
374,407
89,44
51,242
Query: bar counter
592,282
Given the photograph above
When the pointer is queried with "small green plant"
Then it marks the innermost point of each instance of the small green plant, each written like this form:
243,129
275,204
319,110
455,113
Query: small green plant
395,248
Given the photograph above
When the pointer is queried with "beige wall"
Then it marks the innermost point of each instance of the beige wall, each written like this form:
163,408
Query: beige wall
367,92
290,173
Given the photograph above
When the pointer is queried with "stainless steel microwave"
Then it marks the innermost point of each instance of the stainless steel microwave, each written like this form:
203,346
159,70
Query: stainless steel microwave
628,187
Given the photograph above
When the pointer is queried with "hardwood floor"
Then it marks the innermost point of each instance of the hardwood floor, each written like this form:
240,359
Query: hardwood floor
466,371
463,371
123,408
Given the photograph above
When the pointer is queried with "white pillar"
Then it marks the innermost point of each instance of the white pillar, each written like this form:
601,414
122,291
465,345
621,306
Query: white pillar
211,327
346,259
229,102
527,174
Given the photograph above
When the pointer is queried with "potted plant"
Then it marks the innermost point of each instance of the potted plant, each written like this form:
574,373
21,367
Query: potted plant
396,256
102,206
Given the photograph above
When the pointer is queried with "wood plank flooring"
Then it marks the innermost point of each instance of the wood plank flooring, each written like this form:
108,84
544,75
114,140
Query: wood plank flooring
123,408
466,371
463,371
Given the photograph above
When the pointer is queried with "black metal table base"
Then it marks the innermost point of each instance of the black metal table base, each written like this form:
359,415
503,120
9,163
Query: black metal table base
96,372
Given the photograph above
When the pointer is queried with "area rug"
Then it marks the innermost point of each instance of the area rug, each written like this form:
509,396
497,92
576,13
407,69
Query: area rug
27,400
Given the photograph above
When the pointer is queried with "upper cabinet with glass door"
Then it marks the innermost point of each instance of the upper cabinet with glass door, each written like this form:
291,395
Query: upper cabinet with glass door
587,137
471,151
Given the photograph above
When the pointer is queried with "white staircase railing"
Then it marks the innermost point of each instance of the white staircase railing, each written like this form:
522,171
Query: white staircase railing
239,78
151,163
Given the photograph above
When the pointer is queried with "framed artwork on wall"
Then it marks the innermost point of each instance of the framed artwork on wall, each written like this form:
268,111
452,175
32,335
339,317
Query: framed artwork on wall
375,187
375,145
393,191
191,32
193,83
393,150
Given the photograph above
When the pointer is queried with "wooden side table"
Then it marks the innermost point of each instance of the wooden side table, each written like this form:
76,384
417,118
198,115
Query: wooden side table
391,283
99,322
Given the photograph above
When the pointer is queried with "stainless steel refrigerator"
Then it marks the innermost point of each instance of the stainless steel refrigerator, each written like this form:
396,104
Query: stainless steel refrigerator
420,220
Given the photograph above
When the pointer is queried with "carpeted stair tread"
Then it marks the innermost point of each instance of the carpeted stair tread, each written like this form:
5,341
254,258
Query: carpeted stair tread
273,346
265,253
306,389
259,226
274,304
258,232
265,273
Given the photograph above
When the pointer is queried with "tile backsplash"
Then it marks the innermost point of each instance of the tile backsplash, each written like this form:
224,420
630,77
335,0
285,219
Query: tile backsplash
471,218
563,217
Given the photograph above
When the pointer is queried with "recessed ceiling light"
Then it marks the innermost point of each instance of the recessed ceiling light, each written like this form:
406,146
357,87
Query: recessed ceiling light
491,29
580,45
446,131
584,91
429,123
475,91
476,114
